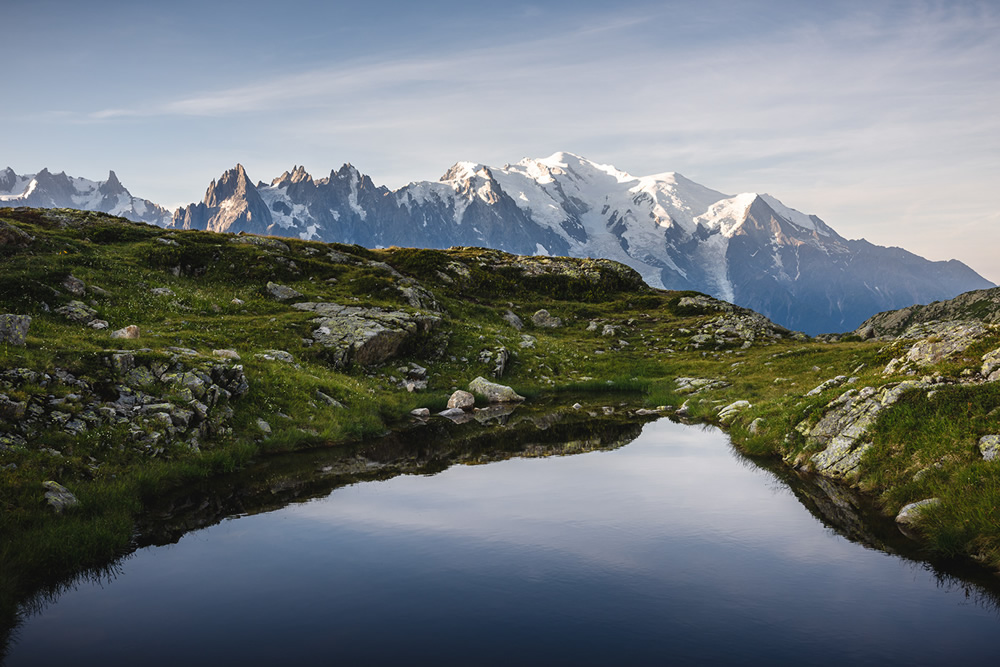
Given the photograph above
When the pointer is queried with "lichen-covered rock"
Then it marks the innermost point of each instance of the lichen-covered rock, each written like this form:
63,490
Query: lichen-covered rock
688,385
59,497
991,365
493,392
281,292
832,382
365,336
989,447
543,319
843,429
14,328
77,311
727,413
910,514
462,400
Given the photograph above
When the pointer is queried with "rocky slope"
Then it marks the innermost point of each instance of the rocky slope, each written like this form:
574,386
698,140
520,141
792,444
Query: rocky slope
978,305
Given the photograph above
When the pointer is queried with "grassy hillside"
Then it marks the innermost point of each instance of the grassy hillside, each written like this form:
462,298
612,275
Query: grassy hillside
248,345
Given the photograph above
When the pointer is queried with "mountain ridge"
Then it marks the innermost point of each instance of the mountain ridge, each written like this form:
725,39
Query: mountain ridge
749,248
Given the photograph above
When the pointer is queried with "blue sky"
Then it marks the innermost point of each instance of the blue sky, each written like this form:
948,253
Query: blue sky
881,117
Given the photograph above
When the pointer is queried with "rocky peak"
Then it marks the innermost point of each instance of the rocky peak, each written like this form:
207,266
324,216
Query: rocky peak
297,175
234,184
112,186
7,179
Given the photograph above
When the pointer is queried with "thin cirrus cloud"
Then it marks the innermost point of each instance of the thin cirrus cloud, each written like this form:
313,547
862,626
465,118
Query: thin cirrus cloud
844,117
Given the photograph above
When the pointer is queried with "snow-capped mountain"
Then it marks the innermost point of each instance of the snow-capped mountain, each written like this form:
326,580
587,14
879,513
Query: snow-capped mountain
47,190
749,249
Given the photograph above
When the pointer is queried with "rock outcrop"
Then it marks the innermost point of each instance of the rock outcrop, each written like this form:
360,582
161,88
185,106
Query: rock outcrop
365,336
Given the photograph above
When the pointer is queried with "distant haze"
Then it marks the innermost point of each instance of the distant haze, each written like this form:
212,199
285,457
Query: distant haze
881,118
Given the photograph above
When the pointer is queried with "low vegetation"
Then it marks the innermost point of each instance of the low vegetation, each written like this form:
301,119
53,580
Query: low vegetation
227,368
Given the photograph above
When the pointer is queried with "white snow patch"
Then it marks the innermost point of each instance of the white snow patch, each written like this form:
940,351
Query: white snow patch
541,250
797,218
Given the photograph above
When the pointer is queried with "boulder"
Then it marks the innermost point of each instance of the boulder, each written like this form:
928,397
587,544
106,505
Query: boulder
14,328
462,400
989,447
74,285
131,331
264,427
542,318
421,413
910,514
59,497
365,336
991,365
513,320
493,392
281,292
226,354
77,311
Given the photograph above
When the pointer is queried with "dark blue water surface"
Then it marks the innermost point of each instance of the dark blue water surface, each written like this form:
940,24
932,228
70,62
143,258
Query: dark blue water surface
671,550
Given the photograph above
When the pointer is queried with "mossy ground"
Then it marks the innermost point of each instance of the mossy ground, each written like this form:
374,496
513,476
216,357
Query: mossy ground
219,301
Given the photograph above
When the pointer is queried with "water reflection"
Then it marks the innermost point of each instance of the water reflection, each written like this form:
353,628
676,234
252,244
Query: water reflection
649,552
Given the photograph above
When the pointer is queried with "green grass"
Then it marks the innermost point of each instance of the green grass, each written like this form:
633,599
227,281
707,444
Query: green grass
651,346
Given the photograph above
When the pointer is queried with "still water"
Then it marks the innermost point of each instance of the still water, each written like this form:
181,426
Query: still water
670,550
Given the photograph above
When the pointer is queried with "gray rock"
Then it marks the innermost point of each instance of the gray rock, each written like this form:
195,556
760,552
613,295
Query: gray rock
77,311
275,355
98,324
13,410
457,415
161,291
74,285
131,331
493,392
833,382
226,354
365,336
727,413
991,363
513,320
260,241
756,425
910,514
329,400
527,341
842,431
282,293
989,446
422,413
542,318
14,328
59,497
264,427
462,400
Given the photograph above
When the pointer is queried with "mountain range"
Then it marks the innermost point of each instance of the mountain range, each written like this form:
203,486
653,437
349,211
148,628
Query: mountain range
48,190
749,249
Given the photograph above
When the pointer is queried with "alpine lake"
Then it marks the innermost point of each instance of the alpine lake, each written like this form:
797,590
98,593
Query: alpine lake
536,535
